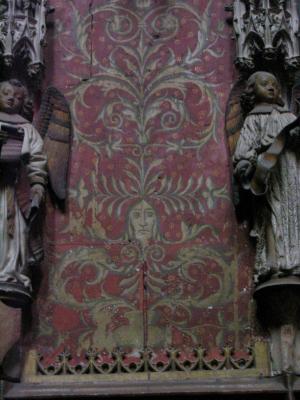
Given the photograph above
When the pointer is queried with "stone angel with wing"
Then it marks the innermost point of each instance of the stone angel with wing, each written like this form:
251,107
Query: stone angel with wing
265,147
28,160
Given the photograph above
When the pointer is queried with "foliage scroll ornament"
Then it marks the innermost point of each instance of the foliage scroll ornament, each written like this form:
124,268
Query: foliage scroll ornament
145,78
143,105
152,97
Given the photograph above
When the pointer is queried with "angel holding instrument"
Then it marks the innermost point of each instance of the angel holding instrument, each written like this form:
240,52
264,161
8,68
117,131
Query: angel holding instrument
23,179
267,164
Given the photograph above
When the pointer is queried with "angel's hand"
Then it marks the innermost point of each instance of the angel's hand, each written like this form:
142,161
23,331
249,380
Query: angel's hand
37,193
244,170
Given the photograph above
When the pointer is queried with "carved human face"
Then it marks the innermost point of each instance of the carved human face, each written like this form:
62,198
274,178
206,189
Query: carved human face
142,218
11,98
266,88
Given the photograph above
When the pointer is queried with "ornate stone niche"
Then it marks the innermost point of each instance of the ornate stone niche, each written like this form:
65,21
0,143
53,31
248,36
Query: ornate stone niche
266,30
267,50
22,38
22,35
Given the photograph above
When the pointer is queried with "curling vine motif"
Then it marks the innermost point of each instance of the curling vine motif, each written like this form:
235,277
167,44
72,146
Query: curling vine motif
145,109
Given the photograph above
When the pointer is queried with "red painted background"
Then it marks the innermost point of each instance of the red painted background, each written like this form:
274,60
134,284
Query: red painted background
148,252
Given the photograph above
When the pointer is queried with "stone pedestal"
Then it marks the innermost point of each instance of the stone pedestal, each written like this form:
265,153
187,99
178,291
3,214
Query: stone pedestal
278,310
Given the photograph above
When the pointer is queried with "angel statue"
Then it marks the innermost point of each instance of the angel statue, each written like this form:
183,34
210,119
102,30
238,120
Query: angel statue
23,179
267,165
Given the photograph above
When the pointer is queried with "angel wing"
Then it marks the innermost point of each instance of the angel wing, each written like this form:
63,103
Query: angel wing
234,120
55,127
234,117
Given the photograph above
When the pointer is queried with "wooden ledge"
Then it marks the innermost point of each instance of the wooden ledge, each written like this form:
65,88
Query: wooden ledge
242,386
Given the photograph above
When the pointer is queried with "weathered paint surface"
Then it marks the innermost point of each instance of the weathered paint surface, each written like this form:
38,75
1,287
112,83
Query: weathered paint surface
10,323
148,253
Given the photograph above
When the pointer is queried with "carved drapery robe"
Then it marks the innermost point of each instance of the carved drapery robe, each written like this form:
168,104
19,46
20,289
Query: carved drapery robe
14,252
277,212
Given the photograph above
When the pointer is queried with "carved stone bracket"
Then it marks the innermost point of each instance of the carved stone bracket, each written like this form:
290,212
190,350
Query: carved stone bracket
22,34
266,30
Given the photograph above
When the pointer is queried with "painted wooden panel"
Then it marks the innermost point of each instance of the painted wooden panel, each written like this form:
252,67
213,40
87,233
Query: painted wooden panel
149,252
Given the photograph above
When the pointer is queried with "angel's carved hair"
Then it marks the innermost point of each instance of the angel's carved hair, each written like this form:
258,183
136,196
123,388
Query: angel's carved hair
27,106
248,97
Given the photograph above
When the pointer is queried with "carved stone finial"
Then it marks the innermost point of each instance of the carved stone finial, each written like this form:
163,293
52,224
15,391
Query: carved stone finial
266,30
22,33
